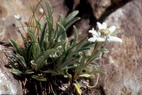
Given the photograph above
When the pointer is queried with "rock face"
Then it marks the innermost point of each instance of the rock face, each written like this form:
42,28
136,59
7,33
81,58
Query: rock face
122,64
8,85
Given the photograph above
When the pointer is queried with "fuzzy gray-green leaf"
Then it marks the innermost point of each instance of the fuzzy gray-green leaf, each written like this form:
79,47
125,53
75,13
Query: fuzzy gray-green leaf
40,61
39,78
41,40
98,71
36,50
49,10
63,34
75,35
70,17
72,22
32,36
104,50
15,46
85,75
16,71
29,71
21,60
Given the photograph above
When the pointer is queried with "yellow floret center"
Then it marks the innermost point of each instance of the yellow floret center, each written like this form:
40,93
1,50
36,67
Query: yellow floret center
104,32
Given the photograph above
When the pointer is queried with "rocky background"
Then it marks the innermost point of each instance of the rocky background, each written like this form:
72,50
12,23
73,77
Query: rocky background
123,63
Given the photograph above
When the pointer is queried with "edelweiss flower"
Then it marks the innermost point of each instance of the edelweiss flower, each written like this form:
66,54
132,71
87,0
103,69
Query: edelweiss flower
103,34
18,17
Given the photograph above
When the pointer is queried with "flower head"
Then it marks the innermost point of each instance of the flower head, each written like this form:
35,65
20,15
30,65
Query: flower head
103,34
18,17
41,10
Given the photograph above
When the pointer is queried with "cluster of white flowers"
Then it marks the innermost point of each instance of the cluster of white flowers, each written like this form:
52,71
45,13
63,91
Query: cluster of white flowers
103,34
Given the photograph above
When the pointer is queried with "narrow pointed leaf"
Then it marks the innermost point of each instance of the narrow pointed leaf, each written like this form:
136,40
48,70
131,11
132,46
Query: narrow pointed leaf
28,54
70,17
57,31
32,36
29,72
75,39
16,71
63,34
104,50
72,22
49,10
36,50
21,60
95,64
16,47
86,75
96,55
40,61
41,40
77,88
39,78
98,71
